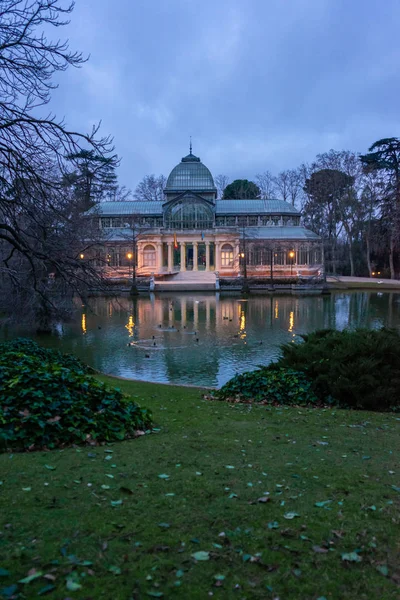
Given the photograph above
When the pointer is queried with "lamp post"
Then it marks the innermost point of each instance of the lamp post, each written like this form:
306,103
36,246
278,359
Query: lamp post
245,287
291,256
129,257
81,256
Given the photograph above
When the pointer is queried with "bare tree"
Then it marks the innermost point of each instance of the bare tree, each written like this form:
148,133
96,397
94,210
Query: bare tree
281,182
118,194
40,250
151,188
221,181
266,183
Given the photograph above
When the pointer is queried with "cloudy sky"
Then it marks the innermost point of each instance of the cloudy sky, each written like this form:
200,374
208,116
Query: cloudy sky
259,84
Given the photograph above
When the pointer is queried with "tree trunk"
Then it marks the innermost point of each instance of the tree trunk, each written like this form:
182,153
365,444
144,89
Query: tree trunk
333,255
368,255
391,257
351,257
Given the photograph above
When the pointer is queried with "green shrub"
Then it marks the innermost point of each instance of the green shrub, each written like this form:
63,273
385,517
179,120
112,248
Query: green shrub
358,369
31,348
269,385
46,405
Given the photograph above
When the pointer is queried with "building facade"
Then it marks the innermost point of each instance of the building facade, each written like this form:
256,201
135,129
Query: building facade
192,230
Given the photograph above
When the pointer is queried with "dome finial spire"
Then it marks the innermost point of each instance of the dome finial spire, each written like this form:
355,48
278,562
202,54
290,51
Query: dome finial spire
190,146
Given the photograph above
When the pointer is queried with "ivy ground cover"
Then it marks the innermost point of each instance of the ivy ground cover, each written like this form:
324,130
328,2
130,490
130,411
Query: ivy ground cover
222,500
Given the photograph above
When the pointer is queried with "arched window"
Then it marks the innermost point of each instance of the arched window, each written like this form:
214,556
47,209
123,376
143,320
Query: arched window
227,255
149,256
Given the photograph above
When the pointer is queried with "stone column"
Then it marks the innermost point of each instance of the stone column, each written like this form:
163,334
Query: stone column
139,252
236,258
159,257
195,256
217,256
207,256
183,256
170,256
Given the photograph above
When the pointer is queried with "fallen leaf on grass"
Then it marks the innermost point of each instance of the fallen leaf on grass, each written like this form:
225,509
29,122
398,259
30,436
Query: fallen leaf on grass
322,504
155,594
383,570
273,525
115,570
4,572
163,476
351,557
72,585
50,468
126,490
9,591
291,515
31,577
116,502
164,525
201,555
46,589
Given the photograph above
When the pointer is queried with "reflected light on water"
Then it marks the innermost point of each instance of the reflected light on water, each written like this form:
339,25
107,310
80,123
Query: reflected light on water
291,321
276,310
83,323
130,325
242,325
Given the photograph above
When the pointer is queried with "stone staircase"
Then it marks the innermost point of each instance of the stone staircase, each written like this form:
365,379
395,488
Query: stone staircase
187,281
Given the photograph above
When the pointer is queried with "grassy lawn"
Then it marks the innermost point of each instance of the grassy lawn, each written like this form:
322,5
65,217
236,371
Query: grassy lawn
123,521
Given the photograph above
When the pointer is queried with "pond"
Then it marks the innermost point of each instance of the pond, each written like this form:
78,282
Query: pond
204,339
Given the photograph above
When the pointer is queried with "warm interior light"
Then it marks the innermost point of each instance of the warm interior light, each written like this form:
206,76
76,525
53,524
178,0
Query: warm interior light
379,272
242,254
129,255
373,272
291,254
81,256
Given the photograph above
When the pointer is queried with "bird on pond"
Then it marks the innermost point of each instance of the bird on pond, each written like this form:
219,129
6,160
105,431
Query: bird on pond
197,339
154,337
154,344
147,355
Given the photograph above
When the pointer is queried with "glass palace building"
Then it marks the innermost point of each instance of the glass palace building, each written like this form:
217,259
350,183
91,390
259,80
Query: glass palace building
192,230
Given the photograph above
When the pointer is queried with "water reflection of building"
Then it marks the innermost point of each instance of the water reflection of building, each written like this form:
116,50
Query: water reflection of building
229,329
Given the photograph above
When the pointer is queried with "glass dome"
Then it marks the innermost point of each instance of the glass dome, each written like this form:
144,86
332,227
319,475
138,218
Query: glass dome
191,175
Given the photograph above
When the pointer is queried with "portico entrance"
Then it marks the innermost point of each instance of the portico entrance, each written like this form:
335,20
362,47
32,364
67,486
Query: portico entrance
199,256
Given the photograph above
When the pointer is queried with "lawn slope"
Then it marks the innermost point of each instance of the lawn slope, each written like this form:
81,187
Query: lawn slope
124,521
